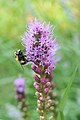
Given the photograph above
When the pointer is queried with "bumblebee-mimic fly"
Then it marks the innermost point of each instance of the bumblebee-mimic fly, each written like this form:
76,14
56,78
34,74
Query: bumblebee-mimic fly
20,57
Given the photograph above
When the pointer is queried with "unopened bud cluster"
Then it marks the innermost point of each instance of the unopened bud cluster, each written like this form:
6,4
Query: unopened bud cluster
46,98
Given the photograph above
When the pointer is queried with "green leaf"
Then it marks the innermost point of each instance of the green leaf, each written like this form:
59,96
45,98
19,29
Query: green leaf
60,116
64,98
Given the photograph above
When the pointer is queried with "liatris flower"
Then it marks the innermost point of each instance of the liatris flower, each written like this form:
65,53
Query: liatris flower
41,50
21,96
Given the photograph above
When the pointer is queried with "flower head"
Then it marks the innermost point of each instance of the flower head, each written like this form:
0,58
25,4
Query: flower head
19,88
40,45
19,82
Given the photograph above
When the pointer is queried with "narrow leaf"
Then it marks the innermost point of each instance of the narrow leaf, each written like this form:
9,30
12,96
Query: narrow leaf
63,100
60,116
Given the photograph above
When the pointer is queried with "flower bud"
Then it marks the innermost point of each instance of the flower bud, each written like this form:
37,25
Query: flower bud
38,88
48,97
38,70
42,99
50,90
50,101
37,94
36,77
46,65
33,67
25,109
48,105
46,90
19,96
55,103
38,101
20,105
42,118
43,81
48,84
35,83
51,108
40,106
41,111
37,110
40,94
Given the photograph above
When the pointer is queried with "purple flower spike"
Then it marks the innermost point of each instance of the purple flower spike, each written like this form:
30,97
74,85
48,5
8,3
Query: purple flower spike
40,45
20,88
20,95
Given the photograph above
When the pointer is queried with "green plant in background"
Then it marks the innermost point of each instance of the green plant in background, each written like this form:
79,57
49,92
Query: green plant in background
14,15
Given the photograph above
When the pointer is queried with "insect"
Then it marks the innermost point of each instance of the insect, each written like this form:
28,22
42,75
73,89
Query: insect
20,57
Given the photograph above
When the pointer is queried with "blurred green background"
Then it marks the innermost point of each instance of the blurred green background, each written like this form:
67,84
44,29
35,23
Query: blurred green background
64,16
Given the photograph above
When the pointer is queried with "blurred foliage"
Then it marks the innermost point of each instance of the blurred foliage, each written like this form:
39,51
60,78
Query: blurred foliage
64,16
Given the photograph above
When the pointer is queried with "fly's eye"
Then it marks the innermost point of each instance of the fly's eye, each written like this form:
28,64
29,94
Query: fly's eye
16,52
